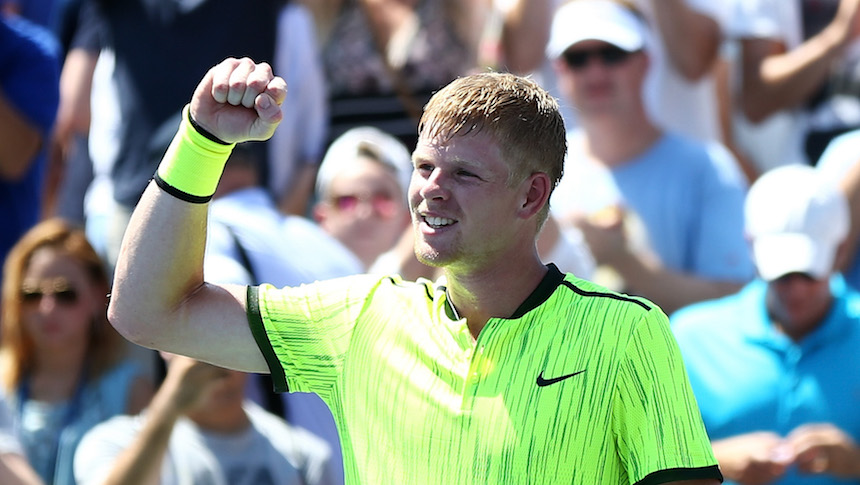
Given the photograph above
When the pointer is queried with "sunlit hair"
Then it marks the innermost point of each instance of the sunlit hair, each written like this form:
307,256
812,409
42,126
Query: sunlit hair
17,357
515,111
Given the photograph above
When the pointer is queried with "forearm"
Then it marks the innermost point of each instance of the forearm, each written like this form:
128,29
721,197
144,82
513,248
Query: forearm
160,265
669,289
15,470
691,39
141,462
525,33
774,80
20,141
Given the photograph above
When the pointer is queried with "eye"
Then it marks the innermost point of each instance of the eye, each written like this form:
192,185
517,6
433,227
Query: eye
466,173
424,168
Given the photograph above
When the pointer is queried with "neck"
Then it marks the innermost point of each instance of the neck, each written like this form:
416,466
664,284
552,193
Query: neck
55,376
498,291
615,140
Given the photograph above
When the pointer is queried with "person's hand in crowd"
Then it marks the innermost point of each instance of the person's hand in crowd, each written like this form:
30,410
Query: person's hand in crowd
605,234
752,458
189,382
822,448
239,100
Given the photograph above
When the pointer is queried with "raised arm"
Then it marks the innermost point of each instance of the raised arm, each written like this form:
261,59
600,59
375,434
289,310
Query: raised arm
692,39
775,78
160,299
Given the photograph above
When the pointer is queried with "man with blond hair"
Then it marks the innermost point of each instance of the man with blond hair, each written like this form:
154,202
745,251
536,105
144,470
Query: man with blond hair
504,370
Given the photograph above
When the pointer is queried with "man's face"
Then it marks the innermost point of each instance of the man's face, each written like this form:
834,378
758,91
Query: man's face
464,214
600,78
365,209
798,302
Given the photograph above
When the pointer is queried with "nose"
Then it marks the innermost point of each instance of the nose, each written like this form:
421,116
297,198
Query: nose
48,303
434,187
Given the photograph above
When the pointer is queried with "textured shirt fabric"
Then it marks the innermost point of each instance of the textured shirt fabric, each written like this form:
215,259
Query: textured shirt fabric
269,452
748,376
578,386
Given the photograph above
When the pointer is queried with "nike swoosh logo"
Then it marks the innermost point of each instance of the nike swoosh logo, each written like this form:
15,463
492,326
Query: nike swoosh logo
541,382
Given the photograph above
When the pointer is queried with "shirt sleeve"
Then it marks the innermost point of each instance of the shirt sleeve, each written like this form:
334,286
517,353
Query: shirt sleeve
304,332
659,430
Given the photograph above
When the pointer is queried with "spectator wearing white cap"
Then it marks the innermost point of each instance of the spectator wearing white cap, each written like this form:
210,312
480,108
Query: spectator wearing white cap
661,213
774,367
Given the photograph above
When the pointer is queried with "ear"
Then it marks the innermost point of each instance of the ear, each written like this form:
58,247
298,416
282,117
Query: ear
536,190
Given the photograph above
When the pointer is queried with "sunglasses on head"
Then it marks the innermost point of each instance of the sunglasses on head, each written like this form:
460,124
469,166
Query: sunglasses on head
382,204
609,55
65,296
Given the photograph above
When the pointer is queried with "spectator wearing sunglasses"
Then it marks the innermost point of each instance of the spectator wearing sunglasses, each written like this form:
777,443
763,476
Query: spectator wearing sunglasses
361,192
774,366
63,366
661,213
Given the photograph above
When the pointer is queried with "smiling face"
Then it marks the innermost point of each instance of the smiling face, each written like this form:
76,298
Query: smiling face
464,211
58,302
364,209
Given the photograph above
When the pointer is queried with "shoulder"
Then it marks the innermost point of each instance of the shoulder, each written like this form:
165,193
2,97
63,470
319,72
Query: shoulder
709,159
21,35
592,300
718,314
119,429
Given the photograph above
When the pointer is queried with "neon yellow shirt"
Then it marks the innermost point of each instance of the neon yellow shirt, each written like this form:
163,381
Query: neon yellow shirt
579,386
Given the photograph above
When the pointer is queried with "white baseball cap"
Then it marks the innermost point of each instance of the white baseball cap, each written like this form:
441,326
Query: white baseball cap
796,220
345,148
603,20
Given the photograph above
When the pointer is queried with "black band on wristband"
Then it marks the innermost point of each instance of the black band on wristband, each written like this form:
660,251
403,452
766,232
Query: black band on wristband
202,131
184,196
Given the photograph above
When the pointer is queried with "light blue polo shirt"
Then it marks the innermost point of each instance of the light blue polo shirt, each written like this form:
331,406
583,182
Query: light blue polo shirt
749,377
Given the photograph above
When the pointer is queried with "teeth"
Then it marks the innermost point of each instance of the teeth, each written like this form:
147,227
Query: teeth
438,221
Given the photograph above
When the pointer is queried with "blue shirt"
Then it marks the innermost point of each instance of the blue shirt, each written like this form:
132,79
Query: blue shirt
30,83
688,195
747,376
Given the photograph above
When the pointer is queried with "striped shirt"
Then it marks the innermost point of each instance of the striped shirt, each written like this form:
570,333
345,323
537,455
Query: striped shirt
579,385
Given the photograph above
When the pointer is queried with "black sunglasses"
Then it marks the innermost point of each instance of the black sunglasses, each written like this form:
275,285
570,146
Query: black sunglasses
610,56
65,296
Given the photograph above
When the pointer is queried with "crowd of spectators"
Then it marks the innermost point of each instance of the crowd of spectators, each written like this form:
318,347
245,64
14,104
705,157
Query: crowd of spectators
686,121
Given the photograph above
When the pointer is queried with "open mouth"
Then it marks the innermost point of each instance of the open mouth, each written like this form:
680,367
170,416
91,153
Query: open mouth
438,222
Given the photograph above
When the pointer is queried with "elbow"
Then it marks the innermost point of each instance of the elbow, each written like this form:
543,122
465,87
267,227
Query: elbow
694,70
126,324
755,112
15,164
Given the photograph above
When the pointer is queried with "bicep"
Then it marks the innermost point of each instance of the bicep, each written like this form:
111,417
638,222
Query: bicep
212,326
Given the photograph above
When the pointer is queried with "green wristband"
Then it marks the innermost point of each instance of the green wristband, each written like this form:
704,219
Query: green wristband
193,163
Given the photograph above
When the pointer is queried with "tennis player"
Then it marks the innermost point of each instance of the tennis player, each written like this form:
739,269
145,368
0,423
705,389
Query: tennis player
504,370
